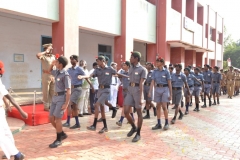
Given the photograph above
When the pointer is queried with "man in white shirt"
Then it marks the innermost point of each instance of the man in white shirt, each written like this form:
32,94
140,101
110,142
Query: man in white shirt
84,98
7,143
93,95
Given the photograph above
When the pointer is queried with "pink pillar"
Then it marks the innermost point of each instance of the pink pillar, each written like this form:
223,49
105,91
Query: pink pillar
178,55
190,57
199,59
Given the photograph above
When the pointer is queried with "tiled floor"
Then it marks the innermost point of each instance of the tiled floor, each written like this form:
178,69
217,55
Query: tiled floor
213,133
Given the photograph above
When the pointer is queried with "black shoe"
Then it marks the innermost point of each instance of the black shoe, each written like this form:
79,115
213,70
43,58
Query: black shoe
173,120
180,117
204,106
19,158
214,103
195,110
198,109
64,136
93,112
174,107
186,112
158,126
119,123
114,112
99,120
103,130
166,127
75,126
218,102
136,138
146,117
80,115
210,103
230,97
55,144
87,114
155,111
131,132
91,128
66,125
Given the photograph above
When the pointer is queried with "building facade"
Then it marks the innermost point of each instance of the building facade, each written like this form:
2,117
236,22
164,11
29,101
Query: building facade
181,31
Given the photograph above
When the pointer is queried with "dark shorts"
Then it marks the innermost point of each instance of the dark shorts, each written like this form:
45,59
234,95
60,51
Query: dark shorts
133,97
186,93
75,95
176,96
207,88
197,90
56,106
215,88
145,92
103,95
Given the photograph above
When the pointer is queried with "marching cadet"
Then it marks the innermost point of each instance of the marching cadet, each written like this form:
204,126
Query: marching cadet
230,82
207,75
61,98
161,81
149,100
178,81
7,143
216,81
76,91
104,74
137,75
47,58
237,82
198,87
125,84
223,82
190,81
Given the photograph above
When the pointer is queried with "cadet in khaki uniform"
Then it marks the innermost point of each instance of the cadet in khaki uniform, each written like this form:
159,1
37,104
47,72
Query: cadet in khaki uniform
223,82
137,74
47,58
237,82
230,82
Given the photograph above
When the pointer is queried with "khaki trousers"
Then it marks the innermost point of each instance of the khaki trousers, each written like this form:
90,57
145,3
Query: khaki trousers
230,88
47,91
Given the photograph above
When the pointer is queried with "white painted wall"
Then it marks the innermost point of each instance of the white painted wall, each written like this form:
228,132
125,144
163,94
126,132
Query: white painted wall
21,37
173,25
141,47
88,45
212,20
198,35
101,15
46,9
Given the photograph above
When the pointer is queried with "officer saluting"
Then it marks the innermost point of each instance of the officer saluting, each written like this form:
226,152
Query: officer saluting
230,82
47,58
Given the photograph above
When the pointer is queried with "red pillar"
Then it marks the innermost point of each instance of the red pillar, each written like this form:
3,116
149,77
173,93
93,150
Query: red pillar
199,59
65,33
213,62
178,55
161,48
190,57
123,45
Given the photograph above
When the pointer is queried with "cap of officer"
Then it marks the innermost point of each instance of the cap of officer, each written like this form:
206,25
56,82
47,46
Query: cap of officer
113,63
136,54
106,58
160,59
127,63
188,69
47,45
74,57
101,58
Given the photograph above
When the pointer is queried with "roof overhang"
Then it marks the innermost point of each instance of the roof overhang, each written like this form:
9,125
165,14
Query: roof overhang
188,46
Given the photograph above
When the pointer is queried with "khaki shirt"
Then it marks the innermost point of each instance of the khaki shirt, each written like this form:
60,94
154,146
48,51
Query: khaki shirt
237,76
46,62
230,76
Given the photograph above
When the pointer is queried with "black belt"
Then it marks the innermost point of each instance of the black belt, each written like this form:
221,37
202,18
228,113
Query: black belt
197,85
103,86
76,86
190,86
162,85
207,82
176,88
59,93
147,84
216,82
133,84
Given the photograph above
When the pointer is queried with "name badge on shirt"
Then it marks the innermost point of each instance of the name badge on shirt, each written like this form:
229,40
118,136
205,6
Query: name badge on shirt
179,78
128,78
149,76
58,79
190,78
107,74
136,73
164,76
208,74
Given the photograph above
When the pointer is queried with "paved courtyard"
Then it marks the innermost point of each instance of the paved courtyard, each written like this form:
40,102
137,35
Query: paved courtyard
213,133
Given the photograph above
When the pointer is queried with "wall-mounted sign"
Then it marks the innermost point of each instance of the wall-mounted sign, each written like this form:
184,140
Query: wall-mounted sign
189,24
18,57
